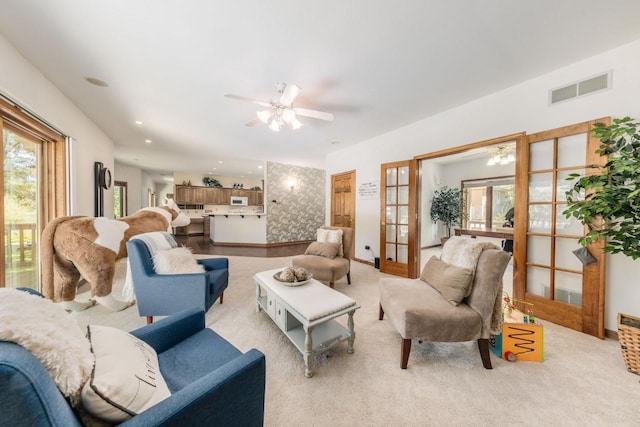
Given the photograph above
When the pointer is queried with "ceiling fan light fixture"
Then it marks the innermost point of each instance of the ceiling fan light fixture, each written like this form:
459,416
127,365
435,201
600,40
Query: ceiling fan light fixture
274,126
264,115
288,115
295,124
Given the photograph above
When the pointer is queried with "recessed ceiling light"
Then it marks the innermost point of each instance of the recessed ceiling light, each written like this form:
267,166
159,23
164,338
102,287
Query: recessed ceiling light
148,141
259,166
214,168
138,122
219,161
249,172
96,82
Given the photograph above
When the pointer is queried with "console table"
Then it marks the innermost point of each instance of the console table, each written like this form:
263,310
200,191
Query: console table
500,233
306,314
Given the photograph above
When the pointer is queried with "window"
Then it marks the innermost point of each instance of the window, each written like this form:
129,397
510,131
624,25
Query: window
120,199
488,201
32,180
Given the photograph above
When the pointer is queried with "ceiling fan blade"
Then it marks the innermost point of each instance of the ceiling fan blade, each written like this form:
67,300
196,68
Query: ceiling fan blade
314,114
244,98
289,94
252,122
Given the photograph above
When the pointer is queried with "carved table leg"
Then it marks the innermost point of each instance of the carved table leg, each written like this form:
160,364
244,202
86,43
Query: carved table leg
352,332
308,352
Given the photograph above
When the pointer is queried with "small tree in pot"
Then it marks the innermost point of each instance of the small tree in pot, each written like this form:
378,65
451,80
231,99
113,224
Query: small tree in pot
447,206
608,203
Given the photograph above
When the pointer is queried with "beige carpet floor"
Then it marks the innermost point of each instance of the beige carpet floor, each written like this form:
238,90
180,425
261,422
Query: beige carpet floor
582,381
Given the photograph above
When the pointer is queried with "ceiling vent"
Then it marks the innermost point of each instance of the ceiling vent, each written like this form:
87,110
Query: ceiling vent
583,87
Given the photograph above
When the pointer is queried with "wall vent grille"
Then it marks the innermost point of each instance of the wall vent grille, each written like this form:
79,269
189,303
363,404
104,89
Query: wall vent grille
583,87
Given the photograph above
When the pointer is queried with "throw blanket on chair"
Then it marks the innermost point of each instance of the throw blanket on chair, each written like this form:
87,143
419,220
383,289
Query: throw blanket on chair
155,241
465,252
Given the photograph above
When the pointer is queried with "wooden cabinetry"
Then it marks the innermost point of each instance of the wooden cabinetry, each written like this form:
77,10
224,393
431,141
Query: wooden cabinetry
198,195
256,198
181,194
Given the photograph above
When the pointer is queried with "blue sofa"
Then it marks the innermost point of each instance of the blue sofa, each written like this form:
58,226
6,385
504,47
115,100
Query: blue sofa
212,382
165,294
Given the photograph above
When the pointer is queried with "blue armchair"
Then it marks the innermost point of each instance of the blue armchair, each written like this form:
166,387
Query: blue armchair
211,381
165,294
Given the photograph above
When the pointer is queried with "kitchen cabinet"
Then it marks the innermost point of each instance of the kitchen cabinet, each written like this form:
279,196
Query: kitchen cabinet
181,194
189,195
240,192
198,195
256,198
207,226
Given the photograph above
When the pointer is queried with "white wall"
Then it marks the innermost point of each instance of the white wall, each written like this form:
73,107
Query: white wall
148,185
23,83
162,189
520,108
225,181
133,177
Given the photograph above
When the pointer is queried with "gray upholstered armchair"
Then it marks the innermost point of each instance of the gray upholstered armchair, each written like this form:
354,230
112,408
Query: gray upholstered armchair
440,306
322,265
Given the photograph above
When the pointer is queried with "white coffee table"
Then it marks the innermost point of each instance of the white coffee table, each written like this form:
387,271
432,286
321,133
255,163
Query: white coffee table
306,314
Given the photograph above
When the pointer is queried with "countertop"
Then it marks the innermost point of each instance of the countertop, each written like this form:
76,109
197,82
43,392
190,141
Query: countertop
235,214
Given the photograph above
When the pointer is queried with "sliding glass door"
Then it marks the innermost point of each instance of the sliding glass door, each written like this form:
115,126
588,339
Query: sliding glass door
33,184
20,208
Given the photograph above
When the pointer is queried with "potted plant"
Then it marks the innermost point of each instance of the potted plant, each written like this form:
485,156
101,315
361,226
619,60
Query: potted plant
447,206
211,182
607,203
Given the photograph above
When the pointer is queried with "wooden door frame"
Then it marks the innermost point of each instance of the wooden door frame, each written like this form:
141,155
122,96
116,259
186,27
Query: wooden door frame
520,139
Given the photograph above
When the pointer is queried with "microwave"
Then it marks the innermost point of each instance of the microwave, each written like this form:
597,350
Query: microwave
239,201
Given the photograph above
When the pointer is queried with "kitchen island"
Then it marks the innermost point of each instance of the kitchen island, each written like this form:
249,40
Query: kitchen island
238,228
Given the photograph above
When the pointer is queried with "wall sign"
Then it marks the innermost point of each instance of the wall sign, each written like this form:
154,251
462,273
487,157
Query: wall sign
368,190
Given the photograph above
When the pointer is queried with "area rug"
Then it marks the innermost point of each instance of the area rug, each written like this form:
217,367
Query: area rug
582,381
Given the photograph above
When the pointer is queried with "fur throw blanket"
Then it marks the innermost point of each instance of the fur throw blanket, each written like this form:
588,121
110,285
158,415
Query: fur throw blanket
46,330
465,252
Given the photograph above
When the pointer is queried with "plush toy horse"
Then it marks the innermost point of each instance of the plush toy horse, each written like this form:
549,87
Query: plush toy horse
75,246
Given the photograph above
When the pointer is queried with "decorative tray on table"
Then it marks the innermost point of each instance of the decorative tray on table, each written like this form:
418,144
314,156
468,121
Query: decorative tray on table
293,276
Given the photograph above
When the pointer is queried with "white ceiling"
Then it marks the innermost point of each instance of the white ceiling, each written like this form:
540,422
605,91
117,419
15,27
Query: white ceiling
377,65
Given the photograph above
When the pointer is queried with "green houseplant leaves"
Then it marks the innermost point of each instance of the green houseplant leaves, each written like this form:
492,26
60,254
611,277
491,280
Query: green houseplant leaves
608,202
211,182
447,206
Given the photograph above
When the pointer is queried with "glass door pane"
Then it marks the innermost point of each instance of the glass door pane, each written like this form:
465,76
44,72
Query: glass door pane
20,210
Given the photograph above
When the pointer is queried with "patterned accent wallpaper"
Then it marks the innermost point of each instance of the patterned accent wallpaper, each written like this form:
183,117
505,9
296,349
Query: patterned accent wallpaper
297,213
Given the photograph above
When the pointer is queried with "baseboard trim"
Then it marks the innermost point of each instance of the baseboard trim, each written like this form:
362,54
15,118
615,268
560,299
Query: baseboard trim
362,261
263,245
608,333
431,246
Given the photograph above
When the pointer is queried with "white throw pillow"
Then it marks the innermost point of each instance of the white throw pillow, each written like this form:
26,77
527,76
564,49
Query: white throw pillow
126,378
176,261
51,335
331,236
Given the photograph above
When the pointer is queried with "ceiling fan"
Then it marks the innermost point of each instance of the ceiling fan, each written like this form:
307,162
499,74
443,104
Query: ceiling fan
280,110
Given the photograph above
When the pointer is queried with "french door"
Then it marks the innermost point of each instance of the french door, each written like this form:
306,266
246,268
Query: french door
398,219
562,289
